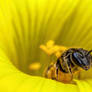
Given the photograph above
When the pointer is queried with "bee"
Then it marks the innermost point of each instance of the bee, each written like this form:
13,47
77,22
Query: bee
69,63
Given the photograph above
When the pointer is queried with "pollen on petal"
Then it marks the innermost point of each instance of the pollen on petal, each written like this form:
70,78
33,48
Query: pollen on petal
35,66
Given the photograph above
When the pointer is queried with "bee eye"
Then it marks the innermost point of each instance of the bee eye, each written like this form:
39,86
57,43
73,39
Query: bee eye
80,60
80,55
77,58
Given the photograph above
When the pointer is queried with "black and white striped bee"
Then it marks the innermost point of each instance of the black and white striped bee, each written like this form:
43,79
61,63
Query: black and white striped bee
71,61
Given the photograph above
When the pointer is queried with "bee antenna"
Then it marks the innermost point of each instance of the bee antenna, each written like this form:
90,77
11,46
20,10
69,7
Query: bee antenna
89,52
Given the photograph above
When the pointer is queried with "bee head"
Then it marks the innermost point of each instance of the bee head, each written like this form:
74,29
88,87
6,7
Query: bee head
82,58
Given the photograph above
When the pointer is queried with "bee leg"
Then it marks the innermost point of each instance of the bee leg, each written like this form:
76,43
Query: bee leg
57,66
60,66
68,61
69,64
48,69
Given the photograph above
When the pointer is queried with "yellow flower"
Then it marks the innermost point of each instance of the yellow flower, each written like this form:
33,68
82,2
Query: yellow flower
25,25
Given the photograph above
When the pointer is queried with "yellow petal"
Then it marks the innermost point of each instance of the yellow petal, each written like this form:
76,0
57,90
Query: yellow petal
25,25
